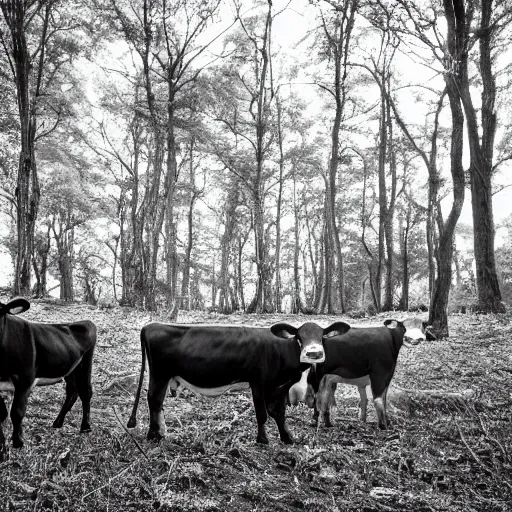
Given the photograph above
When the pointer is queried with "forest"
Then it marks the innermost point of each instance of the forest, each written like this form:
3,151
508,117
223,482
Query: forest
249,162
260,157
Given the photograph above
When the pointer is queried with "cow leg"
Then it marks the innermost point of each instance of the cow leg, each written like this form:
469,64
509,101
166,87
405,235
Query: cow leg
71,396
327,419
3,416
363,403
157,390
276,410
84,388
314,421
325,399
378,385
260,407
18,409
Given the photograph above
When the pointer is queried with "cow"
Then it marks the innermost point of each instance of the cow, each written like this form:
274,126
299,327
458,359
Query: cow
212,359
364,356
41,354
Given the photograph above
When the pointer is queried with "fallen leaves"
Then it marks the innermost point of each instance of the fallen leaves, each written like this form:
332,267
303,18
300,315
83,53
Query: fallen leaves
210,462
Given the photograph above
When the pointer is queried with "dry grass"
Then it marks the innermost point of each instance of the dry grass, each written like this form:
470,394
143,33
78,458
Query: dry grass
438,455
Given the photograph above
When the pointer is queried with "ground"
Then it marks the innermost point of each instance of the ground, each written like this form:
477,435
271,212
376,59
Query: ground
440,454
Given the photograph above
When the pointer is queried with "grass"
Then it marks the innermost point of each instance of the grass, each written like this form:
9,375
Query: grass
439,454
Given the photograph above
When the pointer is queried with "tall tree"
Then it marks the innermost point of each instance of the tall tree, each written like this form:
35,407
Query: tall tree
165,37
337,29
489,24
40,44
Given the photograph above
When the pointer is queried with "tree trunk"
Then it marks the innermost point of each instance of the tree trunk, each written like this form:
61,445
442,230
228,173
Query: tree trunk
390,208
338,39
404,301
226,246
42,251
27,189
278,290
456,36
297,306
64,235
481,159
194,194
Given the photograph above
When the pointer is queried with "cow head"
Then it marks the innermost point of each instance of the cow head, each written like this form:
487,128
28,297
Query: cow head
415,332
310,336
14,307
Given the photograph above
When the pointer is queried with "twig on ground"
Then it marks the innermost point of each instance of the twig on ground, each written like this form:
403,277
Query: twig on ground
477,459
490,438
110,480
130,434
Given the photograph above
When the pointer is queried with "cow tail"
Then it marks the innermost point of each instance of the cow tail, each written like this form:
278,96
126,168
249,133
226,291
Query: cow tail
133,418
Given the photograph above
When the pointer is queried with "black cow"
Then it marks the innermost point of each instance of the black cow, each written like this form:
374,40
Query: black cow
361,357
41,354
212,359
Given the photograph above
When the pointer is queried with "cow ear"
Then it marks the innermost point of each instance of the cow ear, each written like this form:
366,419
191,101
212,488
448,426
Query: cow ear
391,324
282,330
16,306
336,329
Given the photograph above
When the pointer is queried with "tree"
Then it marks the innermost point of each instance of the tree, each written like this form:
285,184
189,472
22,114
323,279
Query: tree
491,22
337,32
39,49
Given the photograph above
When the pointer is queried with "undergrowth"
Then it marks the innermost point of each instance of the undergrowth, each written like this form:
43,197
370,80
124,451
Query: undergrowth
439,454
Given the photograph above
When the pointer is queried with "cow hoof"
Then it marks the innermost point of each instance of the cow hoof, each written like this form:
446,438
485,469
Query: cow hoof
85,428
57,424
262,440
154,436
131,423
328,424
288,440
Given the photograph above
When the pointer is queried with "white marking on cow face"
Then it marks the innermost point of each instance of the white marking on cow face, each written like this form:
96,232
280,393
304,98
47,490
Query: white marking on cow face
312,353
175,382
414,336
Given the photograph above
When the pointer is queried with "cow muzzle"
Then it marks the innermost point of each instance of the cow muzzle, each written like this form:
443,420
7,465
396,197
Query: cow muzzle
413,337
312,354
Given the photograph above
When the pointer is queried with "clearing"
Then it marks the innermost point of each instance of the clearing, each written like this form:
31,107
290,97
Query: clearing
441,453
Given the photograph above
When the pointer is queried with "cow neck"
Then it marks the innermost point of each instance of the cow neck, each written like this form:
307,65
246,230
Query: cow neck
397,341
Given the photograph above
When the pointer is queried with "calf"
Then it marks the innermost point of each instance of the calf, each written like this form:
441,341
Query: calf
212,359
301,392
41,354
361,357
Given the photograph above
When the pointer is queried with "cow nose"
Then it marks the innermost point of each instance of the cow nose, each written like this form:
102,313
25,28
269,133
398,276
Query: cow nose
313,354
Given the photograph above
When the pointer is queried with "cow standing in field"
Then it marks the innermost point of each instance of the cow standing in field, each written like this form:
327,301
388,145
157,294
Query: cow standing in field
361,357
212,359
37,354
